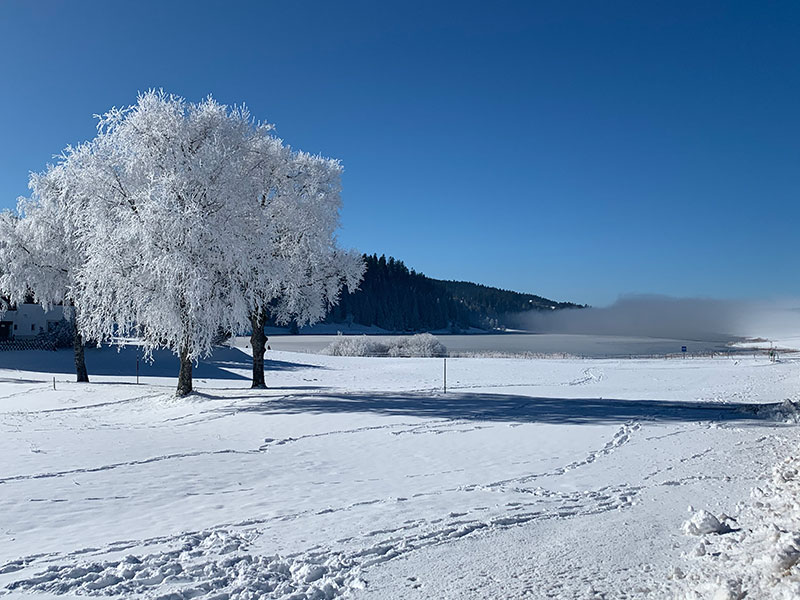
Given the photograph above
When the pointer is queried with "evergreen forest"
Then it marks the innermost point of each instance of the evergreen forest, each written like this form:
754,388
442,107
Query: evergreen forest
396,298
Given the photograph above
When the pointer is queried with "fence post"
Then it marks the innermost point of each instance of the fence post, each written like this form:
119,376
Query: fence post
445,375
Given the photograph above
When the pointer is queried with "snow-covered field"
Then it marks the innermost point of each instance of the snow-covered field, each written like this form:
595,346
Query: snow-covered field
358,477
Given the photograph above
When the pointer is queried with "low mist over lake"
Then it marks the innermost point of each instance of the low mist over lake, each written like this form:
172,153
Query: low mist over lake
636,325
654,316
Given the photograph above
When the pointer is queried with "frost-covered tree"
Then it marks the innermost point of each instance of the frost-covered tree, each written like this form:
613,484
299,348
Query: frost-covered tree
42,252
176,222
169,230
302,210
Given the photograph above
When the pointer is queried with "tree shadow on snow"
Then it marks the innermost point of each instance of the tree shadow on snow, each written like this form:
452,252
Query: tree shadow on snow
251,393
20,380
107,361
512,408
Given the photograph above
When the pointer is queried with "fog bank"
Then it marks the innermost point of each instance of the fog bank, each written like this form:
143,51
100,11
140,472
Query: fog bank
676,318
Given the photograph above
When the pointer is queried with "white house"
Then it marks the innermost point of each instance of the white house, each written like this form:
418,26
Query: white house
27,321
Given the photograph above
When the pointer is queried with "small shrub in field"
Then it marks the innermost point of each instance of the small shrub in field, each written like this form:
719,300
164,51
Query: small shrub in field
423,345
353,346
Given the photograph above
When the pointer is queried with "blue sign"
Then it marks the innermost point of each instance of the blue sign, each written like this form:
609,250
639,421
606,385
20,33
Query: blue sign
683,348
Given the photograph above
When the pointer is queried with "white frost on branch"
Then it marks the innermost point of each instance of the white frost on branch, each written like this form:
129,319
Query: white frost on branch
43,250
173,259
305,216
176,221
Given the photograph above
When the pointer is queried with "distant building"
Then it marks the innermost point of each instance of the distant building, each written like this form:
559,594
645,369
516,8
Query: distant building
27,321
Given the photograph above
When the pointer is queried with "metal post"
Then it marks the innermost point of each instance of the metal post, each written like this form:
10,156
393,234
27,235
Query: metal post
137,370
445,375
54,383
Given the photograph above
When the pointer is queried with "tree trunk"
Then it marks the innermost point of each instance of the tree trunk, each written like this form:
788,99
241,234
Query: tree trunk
80,360
258,342
185,375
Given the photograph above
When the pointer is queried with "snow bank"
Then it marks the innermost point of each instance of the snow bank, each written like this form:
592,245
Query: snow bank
760,558
421,345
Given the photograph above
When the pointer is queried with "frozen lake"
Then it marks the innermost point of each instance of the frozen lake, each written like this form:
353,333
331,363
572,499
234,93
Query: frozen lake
593,346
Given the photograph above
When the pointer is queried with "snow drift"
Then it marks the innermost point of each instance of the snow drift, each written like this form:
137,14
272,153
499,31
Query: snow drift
760,558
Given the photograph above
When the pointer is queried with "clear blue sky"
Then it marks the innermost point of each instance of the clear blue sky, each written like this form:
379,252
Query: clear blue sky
577,150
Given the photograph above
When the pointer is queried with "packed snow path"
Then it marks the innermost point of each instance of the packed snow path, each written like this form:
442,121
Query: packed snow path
359,478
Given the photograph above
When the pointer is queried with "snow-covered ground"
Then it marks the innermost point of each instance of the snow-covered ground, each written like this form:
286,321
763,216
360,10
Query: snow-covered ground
358,477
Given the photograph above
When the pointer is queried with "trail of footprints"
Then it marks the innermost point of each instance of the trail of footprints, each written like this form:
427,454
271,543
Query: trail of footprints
621,437
218,564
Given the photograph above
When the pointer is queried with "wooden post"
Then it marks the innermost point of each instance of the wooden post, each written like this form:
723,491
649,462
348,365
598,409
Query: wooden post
54,383
445,375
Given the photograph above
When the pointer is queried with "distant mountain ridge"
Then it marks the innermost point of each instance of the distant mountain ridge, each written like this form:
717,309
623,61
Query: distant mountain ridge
396,298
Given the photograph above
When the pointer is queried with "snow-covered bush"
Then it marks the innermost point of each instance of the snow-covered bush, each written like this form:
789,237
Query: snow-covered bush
422,345
359,345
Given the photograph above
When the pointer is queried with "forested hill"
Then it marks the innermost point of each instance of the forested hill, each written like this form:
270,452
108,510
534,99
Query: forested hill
397,298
